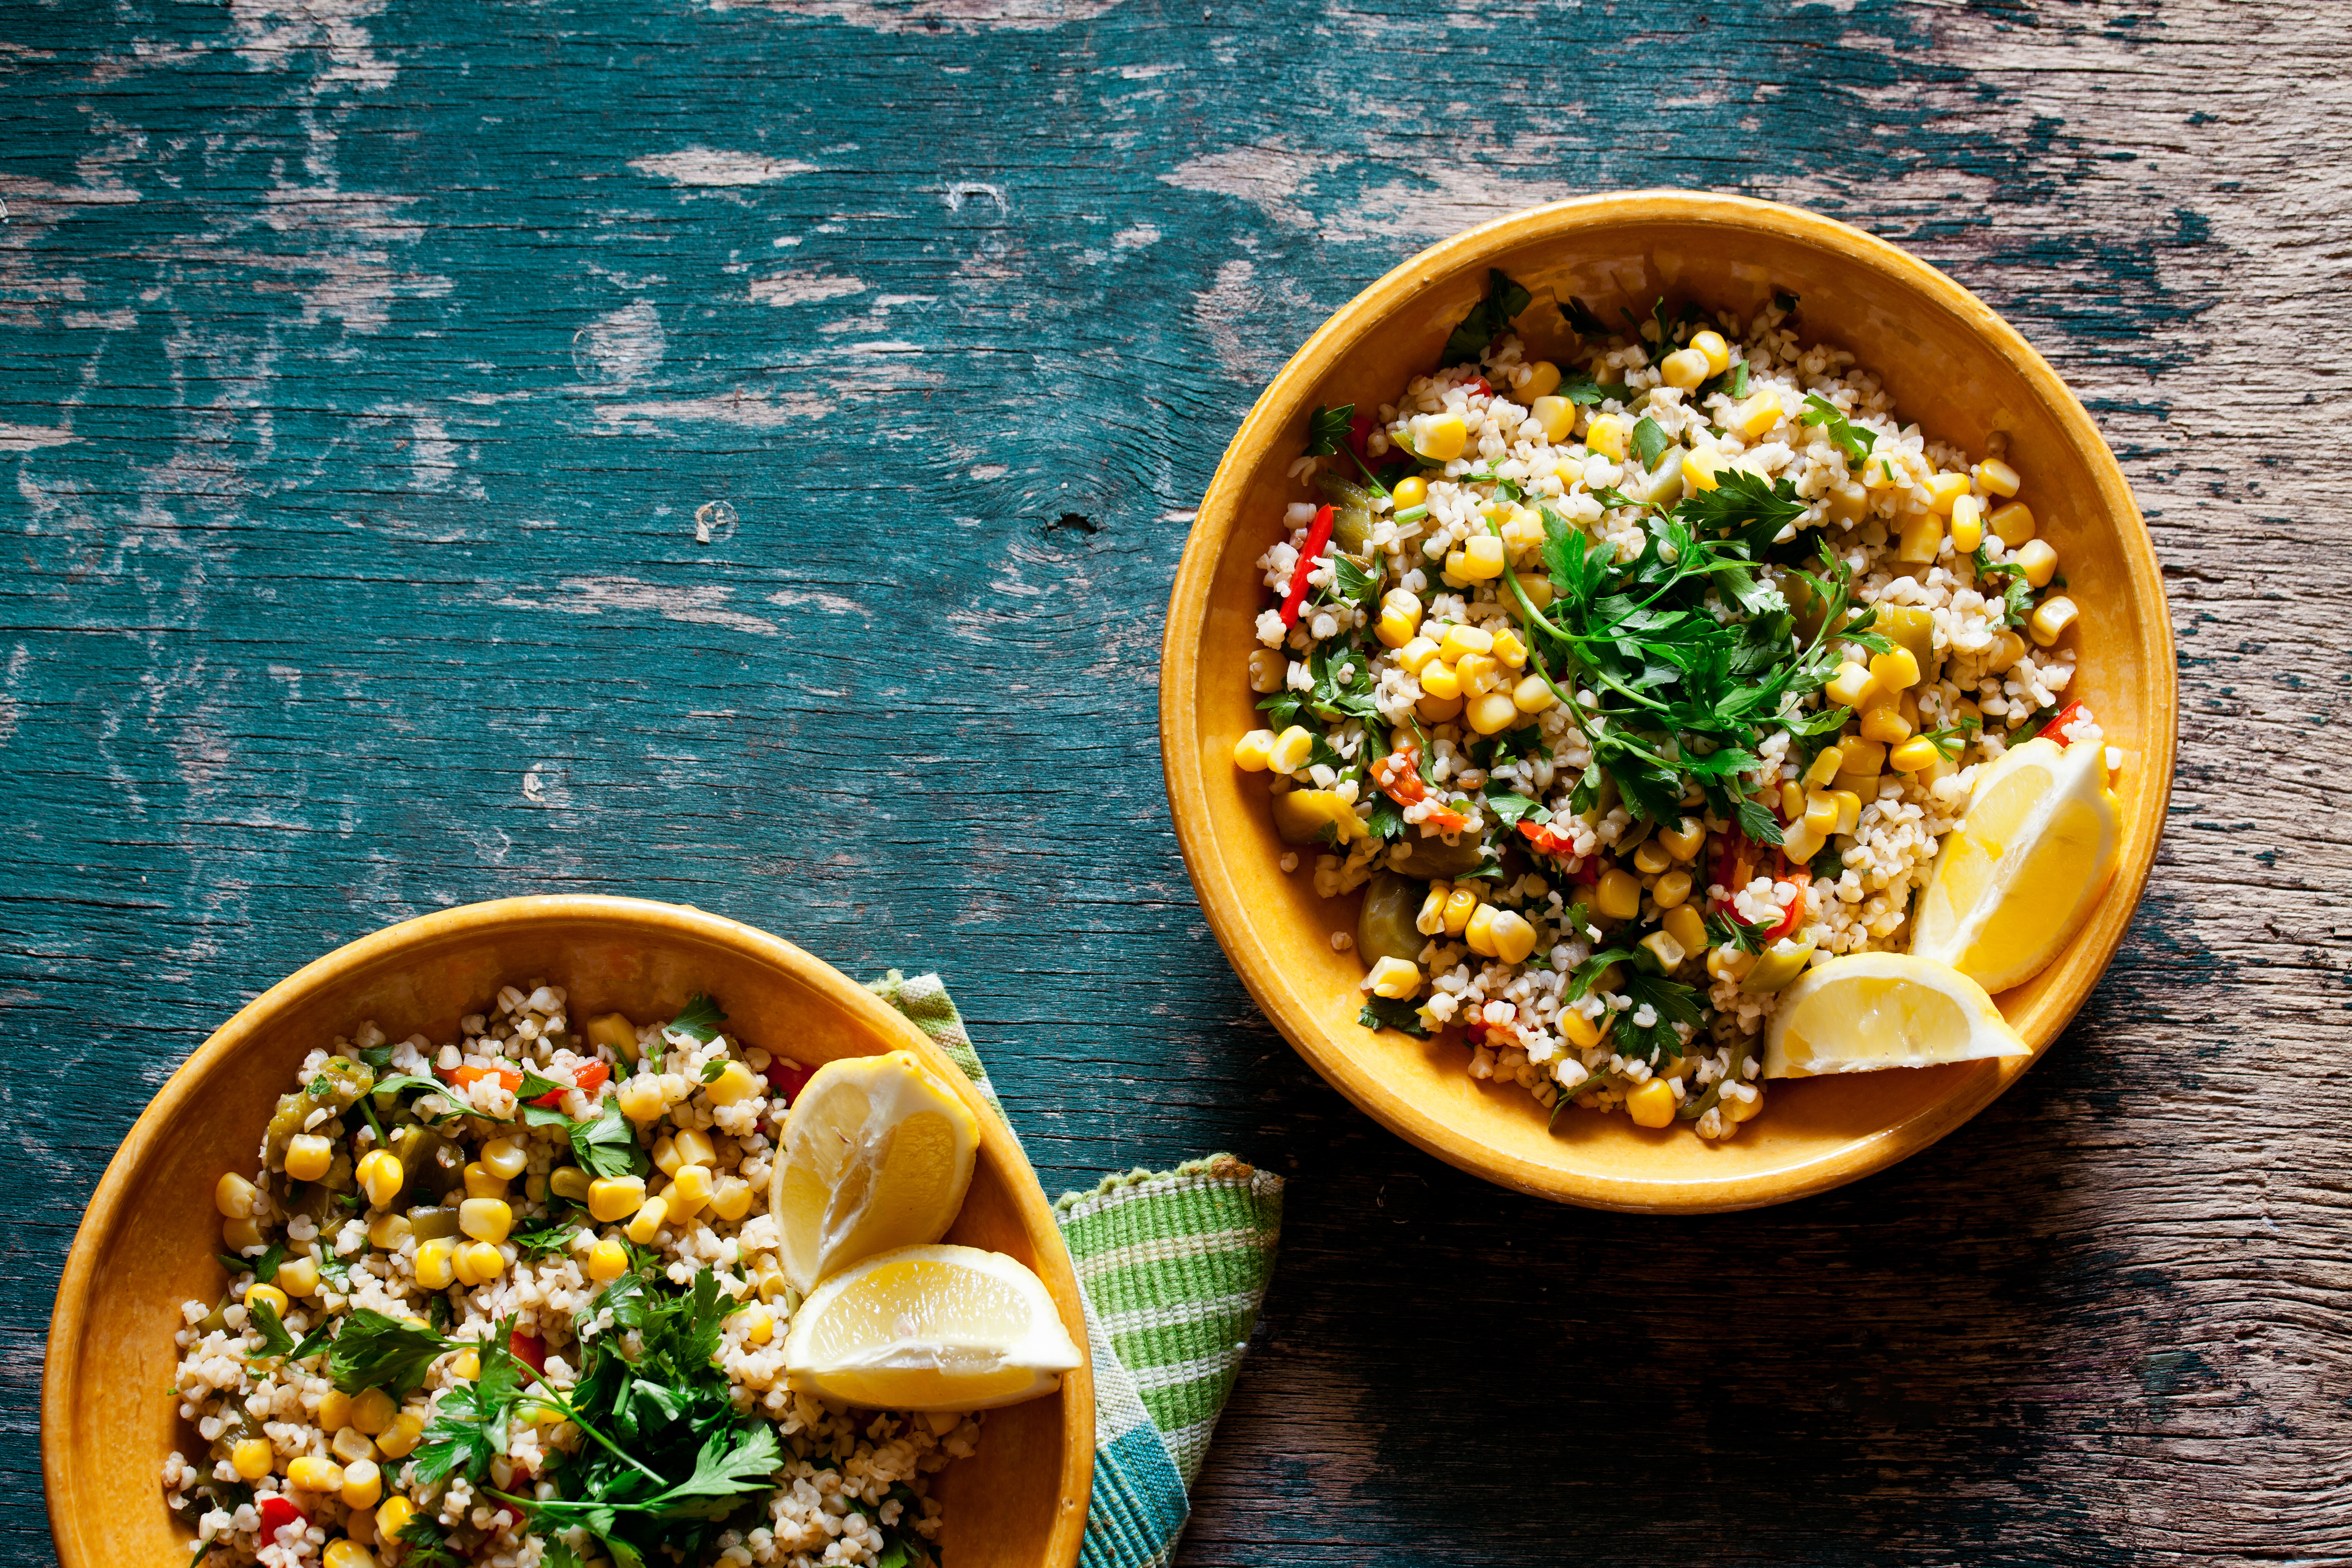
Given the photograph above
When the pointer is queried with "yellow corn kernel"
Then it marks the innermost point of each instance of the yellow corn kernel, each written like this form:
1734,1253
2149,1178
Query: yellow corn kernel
691,1190
394,1516
1618,895
1266,671
1651,856
481,1182
1477,672
1700,466
503,1158
1684,368
1480,559
2013,524
347,1552
1253,751
1685,925
1435,709
1543,378
647,1223
1431,920
1863,756
1582,1032
665,1156
1897,669
1752,417
1556,416
1824,767
1737,1108
1651,1103
313,1474
252,1458
1793,800
1537,587
1291,751
1479,934
1729,964
1718,351
1416,654
237,1235
308,1155
362,1484
2039,561
1850,685
1410,492
1514,936
1922,541
299,1276
1997,478
486,1219
1531,695
1801,841
387,1231
468,1365
1886,725
1440,437
1464,640
1914,754
734,1083
1672,888
614,1198
1943,489
1492,712
1509,651
2050,621
380,1176
478,1263
1848,806
608,1259
1682,839
335,1411
1607,438
258,1293
1399,618
1821,811
695,1148
641,1101
1460,905
1440,681
399,1440
232,1195
437,1263
731,1200
614,1033
1396,978
570,1181
1967,524
2006,650
373,1412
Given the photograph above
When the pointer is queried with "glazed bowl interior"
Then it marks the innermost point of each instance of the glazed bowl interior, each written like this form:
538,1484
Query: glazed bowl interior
148,1241
1953,367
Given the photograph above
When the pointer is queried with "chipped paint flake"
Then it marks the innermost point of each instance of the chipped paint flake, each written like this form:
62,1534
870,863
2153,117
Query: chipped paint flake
715,168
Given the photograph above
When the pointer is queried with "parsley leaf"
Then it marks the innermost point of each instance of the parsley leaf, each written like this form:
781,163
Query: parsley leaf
1398,1013
264,1267
1851,438
379,1351
469,1425
2016,596
1581,319
275,1340
606,1144
537,1087
1953,739
1732,931
1650,442
1351,581
1487,318
1326,427
427,1543
1510,809
701,1019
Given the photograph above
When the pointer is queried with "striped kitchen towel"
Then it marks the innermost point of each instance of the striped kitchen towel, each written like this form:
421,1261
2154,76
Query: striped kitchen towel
1173,1266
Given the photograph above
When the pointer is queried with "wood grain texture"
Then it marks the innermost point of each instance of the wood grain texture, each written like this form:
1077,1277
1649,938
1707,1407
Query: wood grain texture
368,364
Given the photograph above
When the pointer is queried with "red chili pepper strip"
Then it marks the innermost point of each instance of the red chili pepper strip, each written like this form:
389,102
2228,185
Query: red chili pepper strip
276,1513
587,1080
1477,385
1319,534
1791,917
467,1077
529,1349
1360,430
2055,729
1549,840
1398,775
788,1078
1735,865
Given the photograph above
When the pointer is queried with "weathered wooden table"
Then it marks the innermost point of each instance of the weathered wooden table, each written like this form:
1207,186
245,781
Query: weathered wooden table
737,453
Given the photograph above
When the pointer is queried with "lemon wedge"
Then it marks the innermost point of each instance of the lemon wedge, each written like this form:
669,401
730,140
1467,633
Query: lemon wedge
1872,1010
2023,870
877,1154
930,1328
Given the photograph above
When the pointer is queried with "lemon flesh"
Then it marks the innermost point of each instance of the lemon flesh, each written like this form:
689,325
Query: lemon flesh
930,1328
1874,1010
877,1154
2021,872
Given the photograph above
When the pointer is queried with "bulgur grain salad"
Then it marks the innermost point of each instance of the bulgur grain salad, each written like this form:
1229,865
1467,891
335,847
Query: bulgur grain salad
462,1328
1629,692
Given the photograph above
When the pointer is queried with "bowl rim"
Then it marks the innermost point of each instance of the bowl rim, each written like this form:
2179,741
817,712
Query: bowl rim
1285,397
79,1545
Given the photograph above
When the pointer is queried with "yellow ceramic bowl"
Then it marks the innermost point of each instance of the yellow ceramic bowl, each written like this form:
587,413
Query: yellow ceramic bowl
1953,366
147,1242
